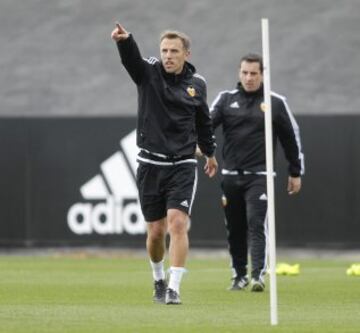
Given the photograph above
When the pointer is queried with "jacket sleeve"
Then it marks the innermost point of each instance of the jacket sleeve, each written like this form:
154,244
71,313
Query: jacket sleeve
131,59
288,133
216,110
206,137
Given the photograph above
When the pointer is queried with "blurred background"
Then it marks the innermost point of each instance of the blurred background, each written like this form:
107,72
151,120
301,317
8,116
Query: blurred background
68,111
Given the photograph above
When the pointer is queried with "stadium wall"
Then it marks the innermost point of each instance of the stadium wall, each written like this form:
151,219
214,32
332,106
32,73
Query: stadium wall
71,181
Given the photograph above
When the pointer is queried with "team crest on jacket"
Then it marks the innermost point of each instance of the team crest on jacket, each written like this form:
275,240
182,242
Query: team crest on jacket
263,107
191,91
224,200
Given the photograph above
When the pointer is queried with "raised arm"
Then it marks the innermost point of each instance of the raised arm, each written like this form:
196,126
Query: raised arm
129,53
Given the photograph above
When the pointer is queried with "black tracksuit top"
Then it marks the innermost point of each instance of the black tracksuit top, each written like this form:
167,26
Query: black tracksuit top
242,118
173,115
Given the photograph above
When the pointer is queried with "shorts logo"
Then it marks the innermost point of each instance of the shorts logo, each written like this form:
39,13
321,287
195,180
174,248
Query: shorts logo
191,91
185,204
112,205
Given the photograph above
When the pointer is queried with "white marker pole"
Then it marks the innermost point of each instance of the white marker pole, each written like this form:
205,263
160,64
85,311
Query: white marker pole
269,171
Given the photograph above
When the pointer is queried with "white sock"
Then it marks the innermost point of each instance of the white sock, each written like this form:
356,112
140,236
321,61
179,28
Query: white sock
158,270
176,274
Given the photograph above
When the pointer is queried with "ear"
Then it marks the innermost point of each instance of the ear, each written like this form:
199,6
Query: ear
187,54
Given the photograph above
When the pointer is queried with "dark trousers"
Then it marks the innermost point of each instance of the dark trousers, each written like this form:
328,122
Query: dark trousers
245,207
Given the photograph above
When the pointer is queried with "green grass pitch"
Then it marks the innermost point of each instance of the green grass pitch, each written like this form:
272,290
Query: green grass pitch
113,294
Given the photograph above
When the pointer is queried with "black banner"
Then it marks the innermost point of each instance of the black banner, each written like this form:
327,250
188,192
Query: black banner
71,181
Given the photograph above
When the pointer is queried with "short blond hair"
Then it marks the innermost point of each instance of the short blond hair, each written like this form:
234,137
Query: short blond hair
173,34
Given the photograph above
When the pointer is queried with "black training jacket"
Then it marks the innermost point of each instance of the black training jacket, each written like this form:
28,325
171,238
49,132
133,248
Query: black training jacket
242,118
173,115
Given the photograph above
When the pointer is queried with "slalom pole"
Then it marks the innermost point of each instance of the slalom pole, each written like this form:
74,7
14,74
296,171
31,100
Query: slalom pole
269,170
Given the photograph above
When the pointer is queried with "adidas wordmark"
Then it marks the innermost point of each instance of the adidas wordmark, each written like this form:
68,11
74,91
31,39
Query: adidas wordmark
118,210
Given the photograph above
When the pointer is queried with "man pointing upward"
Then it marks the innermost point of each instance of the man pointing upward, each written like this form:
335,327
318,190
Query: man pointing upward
173,117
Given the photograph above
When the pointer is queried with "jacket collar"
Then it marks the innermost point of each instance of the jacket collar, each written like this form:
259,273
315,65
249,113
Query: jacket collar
187,72
255,93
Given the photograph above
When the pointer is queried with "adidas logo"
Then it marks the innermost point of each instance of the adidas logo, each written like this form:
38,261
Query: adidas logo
118,210
263,197
234,105
184,204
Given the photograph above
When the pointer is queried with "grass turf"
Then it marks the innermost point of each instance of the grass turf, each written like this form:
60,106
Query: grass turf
69,294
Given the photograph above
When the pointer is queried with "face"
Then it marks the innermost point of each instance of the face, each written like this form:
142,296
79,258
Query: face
250,76
173,55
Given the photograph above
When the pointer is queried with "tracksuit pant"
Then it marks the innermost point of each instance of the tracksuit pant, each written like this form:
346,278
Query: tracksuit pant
245,207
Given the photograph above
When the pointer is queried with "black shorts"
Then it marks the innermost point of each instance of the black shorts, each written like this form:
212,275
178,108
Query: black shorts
164,187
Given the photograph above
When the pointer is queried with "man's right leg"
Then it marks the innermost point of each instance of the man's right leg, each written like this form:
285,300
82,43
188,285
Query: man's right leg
153,208
155,240
156,246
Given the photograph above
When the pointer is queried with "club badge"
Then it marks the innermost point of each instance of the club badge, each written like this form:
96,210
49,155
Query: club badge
224,200
263,107
191,91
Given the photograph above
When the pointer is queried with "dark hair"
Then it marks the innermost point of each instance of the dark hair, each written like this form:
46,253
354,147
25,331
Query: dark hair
172,34
253,57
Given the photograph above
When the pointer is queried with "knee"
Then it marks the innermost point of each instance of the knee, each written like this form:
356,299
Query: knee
156,233
156,236
178,223
256,225
257,229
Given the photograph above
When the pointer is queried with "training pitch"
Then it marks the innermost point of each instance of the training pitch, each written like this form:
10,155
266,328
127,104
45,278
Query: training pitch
82,293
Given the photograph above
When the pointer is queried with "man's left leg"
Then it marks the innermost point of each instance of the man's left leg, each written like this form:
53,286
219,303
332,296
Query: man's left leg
178,249
180,189
256,200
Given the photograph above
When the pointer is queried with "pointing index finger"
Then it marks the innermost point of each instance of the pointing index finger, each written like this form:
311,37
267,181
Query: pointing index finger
119,26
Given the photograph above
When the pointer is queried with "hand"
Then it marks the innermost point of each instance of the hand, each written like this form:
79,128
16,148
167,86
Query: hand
211,166
119,33
198,152
294,185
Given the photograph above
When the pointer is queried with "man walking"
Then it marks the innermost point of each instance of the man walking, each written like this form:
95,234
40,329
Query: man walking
173,117
241,114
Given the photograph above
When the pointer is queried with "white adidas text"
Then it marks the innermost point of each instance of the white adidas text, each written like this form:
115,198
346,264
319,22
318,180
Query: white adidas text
106,218
113,208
